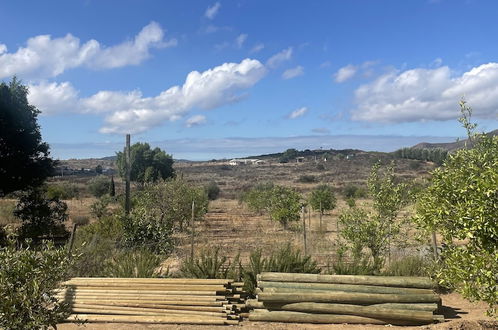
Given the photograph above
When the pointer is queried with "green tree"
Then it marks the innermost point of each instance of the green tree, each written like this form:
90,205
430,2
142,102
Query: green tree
147,165
322,198
461,204
112,187
99,186
284,205
375,230
24,157
28,280
98,169
41,216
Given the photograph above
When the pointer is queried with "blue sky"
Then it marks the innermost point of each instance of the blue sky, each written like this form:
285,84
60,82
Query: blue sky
214,79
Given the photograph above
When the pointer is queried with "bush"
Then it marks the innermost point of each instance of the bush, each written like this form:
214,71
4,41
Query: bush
358,265
63,190
320,167
212,191
258,198
99,208
99,186
28,279
307,179
133,263
209,264
285,260
96,243
41,216
409,266
353,191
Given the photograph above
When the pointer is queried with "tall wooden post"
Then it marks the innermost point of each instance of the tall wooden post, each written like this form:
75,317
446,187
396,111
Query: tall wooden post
304,230
128,170
434,246
321,214
309,218
192,232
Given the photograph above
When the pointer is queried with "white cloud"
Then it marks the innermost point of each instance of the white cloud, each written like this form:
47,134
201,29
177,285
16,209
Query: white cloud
196,120
239,41
45,57
345,73
428,94
297,113
131,112
212,11
293,73
257,48
279,58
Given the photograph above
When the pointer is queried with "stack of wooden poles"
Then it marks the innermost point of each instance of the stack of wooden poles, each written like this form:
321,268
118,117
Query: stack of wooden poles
312,298
152,300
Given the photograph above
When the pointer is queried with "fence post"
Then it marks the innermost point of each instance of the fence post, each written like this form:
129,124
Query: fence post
321,214
192,232
71,239
434,246
128,170
304,230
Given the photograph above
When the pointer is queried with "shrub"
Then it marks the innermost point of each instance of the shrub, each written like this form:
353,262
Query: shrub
65,190
96,243
28,279
7,212
285,260
133,263
99,208
41,216
284,205
210,264
99,186
320,167
409,266
358,265
353,191
306,179
212,190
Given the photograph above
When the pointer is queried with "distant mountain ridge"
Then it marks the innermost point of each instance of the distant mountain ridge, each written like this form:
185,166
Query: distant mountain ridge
450,146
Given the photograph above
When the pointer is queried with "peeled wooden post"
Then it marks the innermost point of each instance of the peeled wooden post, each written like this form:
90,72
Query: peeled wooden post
434,246
71,239
357,298
321,214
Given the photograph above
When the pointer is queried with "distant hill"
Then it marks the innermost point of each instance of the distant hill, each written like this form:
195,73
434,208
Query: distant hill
451,146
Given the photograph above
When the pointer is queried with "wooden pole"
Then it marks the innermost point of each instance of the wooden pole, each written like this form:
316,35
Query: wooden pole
192,232
304,231
356,298
309,218
71,239
434,246
128,170
399,281
321,214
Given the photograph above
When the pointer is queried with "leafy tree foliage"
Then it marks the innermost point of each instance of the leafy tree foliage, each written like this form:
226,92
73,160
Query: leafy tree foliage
28,280
461,204
24,157
284,205
258,198
436,155
288,155
322,198
147,165
98,169
212,190
41,216
160,210
99,186
374,231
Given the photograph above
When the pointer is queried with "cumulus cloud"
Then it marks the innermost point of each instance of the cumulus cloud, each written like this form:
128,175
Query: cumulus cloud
428,94
196,120
345,73
45,57
297,113
212,11
279,58
257,48
239,41
131,112
293,72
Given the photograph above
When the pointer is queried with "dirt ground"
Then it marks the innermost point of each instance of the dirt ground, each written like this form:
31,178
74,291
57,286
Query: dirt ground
460,314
